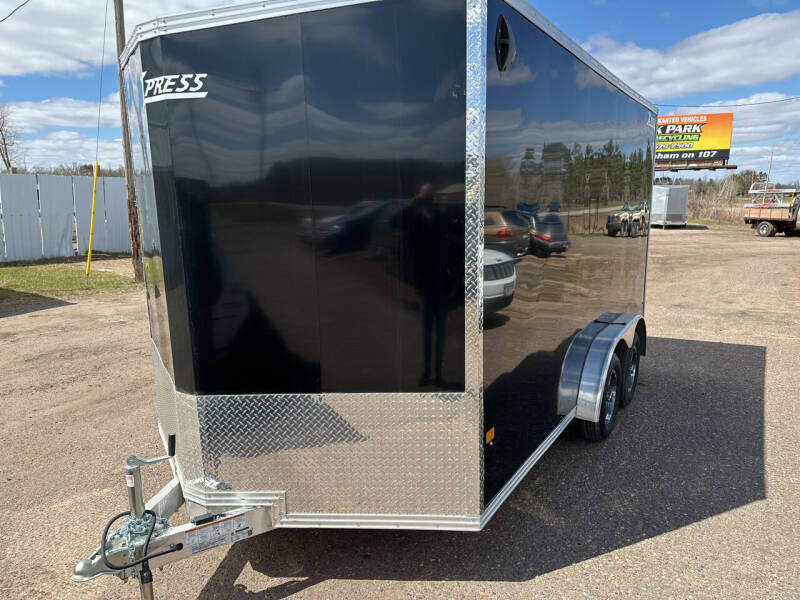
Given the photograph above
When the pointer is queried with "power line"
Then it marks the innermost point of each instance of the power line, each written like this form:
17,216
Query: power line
789,99
8,16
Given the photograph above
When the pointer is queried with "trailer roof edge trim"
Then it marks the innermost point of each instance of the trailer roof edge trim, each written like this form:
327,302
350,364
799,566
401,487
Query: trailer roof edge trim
538,19
251,11
227,15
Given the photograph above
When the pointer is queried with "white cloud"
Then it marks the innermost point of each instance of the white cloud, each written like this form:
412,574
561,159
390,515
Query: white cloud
749,52
520,74
67,147
73,34
786,160
53,36
394,110
30,117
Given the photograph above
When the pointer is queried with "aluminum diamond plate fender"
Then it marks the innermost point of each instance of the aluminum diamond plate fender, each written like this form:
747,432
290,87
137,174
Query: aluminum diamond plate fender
616,329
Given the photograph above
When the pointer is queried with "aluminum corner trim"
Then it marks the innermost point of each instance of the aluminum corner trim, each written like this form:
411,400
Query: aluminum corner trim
474,186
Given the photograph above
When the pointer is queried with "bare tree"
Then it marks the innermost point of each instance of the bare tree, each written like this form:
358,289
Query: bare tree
8,138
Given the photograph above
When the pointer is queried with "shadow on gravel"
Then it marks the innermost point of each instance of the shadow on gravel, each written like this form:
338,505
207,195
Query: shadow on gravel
691,446
20,303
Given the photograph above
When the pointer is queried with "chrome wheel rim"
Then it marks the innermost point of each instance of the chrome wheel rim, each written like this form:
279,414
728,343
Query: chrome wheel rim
611,397
633,369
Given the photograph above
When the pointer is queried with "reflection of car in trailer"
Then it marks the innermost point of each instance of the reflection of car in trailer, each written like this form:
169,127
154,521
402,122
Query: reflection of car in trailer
361,390
346,231
548,234
669,205
499,279
772,210
506,231
628,222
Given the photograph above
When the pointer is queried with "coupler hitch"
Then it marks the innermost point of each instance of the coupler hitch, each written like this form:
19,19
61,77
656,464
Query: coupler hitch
145,540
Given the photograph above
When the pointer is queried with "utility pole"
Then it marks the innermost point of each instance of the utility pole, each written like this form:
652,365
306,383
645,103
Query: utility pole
769,172
133,214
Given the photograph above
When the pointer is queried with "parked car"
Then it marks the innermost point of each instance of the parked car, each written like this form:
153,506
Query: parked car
499,280
548,234
628,222
506,231
350,230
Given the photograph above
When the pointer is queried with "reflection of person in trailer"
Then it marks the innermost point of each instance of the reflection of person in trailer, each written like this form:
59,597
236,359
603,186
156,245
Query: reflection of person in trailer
425,237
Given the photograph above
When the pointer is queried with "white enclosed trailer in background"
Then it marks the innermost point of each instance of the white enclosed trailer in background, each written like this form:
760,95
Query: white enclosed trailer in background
669,205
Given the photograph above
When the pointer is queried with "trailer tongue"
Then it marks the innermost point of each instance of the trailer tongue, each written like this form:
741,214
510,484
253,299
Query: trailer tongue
328,346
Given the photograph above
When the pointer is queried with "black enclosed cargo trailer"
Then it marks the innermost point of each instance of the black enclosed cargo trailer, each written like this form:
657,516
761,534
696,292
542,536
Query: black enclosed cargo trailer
313,178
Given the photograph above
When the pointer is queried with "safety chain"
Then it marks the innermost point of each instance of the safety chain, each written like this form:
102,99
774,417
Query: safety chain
132,528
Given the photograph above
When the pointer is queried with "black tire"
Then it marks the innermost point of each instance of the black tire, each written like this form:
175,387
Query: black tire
630,371
595,432
612,233
765,229
635,229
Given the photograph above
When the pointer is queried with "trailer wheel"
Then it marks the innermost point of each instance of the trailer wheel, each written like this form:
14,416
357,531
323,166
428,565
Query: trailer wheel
765,229
630,371
595,432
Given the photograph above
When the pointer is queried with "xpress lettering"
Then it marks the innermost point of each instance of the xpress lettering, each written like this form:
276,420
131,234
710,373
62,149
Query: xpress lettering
173,87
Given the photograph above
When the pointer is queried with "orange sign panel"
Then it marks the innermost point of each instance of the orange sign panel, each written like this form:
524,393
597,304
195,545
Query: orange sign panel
693,137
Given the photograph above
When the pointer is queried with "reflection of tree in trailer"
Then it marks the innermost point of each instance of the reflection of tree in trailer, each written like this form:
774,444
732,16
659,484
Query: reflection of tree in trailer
528,177
556,159
580,176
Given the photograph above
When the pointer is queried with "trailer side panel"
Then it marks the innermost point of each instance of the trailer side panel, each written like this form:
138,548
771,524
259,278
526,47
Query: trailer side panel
566,144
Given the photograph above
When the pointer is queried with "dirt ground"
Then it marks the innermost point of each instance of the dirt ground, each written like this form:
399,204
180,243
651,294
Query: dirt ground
696,494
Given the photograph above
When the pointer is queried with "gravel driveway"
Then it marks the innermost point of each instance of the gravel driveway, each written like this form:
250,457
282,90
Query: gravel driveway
695,495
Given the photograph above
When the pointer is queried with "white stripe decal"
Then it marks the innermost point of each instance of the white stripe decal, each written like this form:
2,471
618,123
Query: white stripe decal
175,96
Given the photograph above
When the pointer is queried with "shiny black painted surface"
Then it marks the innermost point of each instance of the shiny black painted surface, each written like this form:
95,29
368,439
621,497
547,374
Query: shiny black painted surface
311,206
562,142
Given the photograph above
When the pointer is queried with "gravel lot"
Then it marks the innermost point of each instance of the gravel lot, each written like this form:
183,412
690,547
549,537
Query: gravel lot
696,494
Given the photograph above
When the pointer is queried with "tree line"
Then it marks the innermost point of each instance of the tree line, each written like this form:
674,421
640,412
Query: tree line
733,185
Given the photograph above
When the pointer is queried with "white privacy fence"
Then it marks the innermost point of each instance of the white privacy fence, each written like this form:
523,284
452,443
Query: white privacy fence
48,216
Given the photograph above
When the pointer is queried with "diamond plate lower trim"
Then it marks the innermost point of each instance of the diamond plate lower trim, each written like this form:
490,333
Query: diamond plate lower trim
393,454
437,522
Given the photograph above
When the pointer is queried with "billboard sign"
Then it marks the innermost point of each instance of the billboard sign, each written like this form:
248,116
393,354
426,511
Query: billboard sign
694,137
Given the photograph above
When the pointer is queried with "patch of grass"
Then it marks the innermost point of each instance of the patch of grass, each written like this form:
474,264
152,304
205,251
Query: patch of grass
61,280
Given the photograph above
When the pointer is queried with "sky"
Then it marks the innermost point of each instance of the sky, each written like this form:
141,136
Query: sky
674,53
